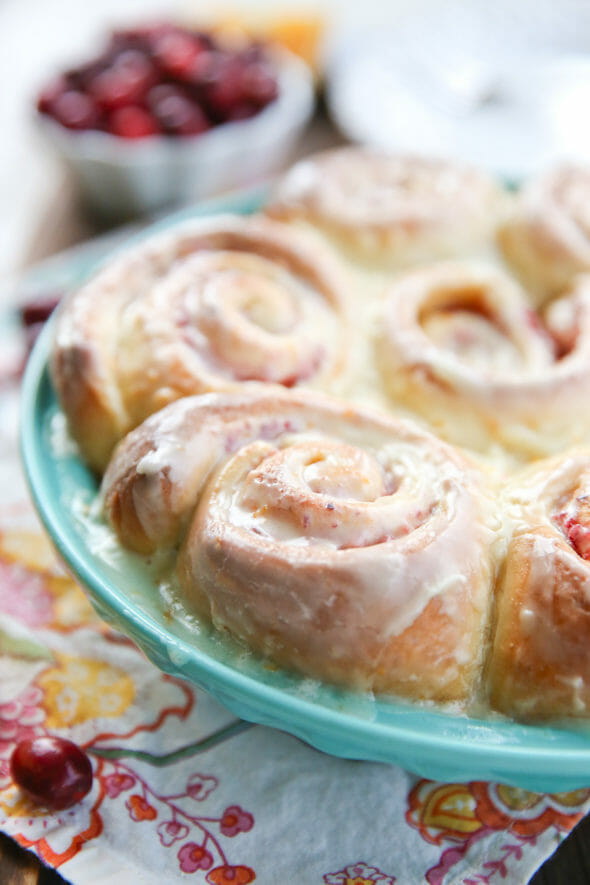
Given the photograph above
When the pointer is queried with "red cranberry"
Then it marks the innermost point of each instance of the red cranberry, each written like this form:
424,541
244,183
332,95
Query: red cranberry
258,84
80,77
242,111
113,90
255,52
33,315
579,538
160,92
75,110
176,113
125,82
31,333
576,532
224,89
141,37
205,67
37,310
52,91
136,61
52,771
176,53
132,121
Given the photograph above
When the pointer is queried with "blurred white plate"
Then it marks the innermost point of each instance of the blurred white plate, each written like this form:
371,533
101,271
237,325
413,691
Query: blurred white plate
511,116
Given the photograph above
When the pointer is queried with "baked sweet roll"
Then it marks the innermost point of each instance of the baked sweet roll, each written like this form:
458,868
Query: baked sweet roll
209,305
540,661
546,238
346,545
461,345
390,210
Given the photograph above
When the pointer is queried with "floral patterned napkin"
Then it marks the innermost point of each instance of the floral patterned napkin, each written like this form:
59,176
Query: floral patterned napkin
182,790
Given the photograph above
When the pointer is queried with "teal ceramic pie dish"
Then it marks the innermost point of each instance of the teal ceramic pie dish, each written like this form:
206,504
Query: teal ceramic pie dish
430,742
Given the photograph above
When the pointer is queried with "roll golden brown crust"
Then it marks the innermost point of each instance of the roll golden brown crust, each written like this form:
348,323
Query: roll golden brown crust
540,664
546,238
461,345
352,547
394,210
349,545
210,305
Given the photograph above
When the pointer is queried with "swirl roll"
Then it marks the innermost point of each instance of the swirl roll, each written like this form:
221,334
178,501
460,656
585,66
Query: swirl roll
539,665
546,238
390,209
340,543
461,345
209,305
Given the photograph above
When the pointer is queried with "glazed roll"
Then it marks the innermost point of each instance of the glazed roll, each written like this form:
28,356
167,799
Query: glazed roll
461,345
390,210
546,238
209,305
540,661
336,542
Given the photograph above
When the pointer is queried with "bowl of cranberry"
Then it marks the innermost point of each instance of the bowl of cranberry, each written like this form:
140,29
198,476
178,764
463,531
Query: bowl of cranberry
166,116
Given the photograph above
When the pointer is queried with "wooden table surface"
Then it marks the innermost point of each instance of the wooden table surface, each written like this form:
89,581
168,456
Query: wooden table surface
20,867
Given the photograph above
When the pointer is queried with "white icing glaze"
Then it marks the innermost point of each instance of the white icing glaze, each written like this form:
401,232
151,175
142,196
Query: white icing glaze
461,344
539,665
546,237
557,205
210,305
305,512
394,210
382,519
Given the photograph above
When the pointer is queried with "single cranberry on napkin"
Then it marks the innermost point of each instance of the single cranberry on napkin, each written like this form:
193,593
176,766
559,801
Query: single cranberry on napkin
52,771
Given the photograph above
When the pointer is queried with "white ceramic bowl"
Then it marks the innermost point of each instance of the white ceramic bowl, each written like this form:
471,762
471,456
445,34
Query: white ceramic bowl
121,178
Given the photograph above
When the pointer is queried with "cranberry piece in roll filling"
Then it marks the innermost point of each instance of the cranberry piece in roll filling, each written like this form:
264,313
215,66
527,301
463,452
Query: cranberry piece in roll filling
574,519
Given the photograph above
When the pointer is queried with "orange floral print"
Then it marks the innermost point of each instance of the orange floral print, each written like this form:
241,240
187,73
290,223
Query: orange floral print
228,875
140,809
79,689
